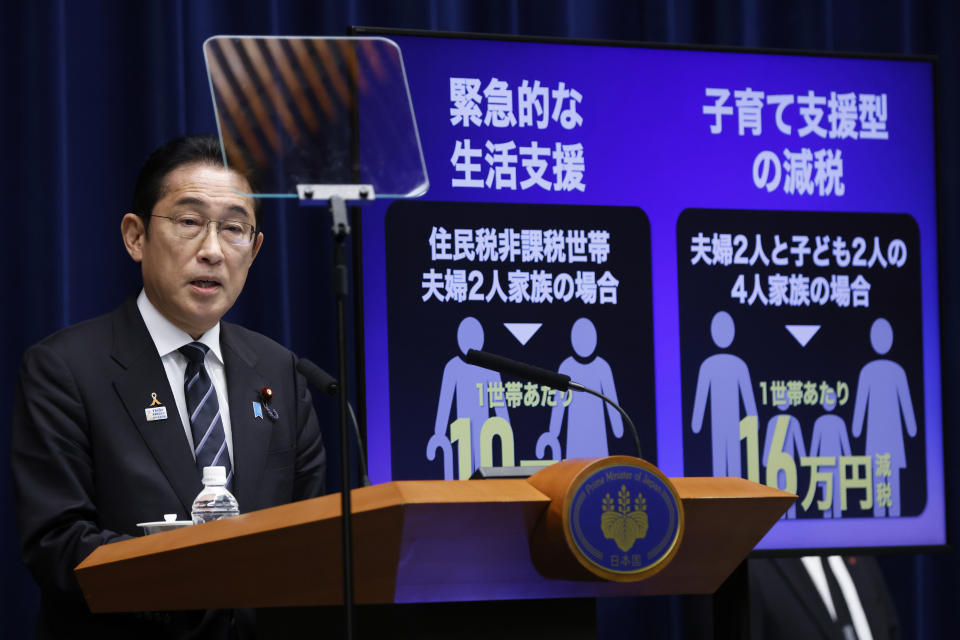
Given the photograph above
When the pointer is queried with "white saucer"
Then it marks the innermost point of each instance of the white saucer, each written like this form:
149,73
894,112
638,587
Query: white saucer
163,525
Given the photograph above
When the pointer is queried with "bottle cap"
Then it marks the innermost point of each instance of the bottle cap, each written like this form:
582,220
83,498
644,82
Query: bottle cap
214,475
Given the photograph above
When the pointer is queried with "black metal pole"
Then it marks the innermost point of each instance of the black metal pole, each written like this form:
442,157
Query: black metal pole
341,289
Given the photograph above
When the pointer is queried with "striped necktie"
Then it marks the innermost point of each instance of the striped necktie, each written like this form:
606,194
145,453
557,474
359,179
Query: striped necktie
844,621
209,441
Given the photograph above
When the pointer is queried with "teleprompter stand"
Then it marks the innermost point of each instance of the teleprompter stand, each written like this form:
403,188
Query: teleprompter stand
335,197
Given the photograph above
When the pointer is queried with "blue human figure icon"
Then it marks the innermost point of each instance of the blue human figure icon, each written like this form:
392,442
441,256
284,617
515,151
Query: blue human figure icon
883,404
462,381
586,425
784,436
724,380
830,439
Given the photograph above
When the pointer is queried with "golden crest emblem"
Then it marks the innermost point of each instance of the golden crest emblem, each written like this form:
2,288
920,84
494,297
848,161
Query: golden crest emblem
621,523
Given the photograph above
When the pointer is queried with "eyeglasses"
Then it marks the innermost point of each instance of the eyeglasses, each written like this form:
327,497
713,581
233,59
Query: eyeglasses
191,225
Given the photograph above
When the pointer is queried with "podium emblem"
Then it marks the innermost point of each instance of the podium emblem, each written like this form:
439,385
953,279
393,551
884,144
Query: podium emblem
624,518
621,523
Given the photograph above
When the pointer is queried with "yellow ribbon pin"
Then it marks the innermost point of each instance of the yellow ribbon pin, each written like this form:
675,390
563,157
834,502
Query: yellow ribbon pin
155,401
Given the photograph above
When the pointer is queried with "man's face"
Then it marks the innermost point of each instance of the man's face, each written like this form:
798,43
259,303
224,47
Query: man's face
194,282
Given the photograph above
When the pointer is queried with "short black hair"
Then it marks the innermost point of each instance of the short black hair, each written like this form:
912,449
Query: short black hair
176,153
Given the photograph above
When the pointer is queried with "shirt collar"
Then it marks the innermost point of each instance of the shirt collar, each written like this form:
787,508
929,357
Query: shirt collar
167,336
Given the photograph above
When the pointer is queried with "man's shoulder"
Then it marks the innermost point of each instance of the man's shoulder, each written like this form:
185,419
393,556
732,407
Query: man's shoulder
82,351
86,337
258,343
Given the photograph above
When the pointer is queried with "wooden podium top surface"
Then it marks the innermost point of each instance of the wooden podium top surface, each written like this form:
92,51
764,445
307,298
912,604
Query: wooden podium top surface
415,541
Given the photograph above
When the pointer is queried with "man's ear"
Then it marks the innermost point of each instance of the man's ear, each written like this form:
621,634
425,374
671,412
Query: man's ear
256,245
134,235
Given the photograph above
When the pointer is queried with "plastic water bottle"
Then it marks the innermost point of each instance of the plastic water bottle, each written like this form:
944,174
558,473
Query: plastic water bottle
214,501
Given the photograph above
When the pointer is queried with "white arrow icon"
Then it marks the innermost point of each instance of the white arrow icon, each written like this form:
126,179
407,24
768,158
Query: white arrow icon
523,331
802,332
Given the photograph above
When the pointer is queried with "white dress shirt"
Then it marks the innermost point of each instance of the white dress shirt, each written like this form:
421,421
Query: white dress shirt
847,588
168,339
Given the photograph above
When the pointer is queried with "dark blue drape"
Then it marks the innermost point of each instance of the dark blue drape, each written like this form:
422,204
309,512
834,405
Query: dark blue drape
89,87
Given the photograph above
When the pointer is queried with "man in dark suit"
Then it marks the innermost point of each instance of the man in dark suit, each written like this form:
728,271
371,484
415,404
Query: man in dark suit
104,431
835,598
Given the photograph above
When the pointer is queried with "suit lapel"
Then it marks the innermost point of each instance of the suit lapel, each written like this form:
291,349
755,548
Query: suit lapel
806,594
251,435
143,376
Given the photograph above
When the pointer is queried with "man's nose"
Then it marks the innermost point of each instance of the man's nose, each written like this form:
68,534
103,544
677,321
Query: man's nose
210,248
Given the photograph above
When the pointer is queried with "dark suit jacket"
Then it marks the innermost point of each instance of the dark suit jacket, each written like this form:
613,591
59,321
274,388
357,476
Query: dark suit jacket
88,466
785,604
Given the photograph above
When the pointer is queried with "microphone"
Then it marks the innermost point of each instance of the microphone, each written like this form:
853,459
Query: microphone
500,364
552,379
328,384
318,377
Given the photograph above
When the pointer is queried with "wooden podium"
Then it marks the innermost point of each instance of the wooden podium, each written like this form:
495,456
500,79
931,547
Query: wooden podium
419,541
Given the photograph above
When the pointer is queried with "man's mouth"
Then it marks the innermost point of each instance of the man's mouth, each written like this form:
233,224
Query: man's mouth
205,284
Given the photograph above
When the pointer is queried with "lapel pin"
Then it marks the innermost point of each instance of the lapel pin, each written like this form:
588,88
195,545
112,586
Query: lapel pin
156,410
266,396
257,411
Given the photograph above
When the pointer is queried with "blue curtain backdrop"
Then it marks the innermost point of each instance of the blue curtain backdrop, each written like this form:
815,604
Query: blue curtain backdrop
90,87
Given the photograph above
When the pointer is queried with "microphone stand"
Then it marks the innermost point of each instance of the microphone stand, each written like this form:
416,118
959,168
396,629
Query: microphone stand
576,386
552,379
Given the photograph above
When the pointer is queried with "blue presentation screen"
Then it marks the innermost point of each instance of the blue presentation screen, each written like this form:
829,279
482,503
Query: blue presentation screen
740,248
